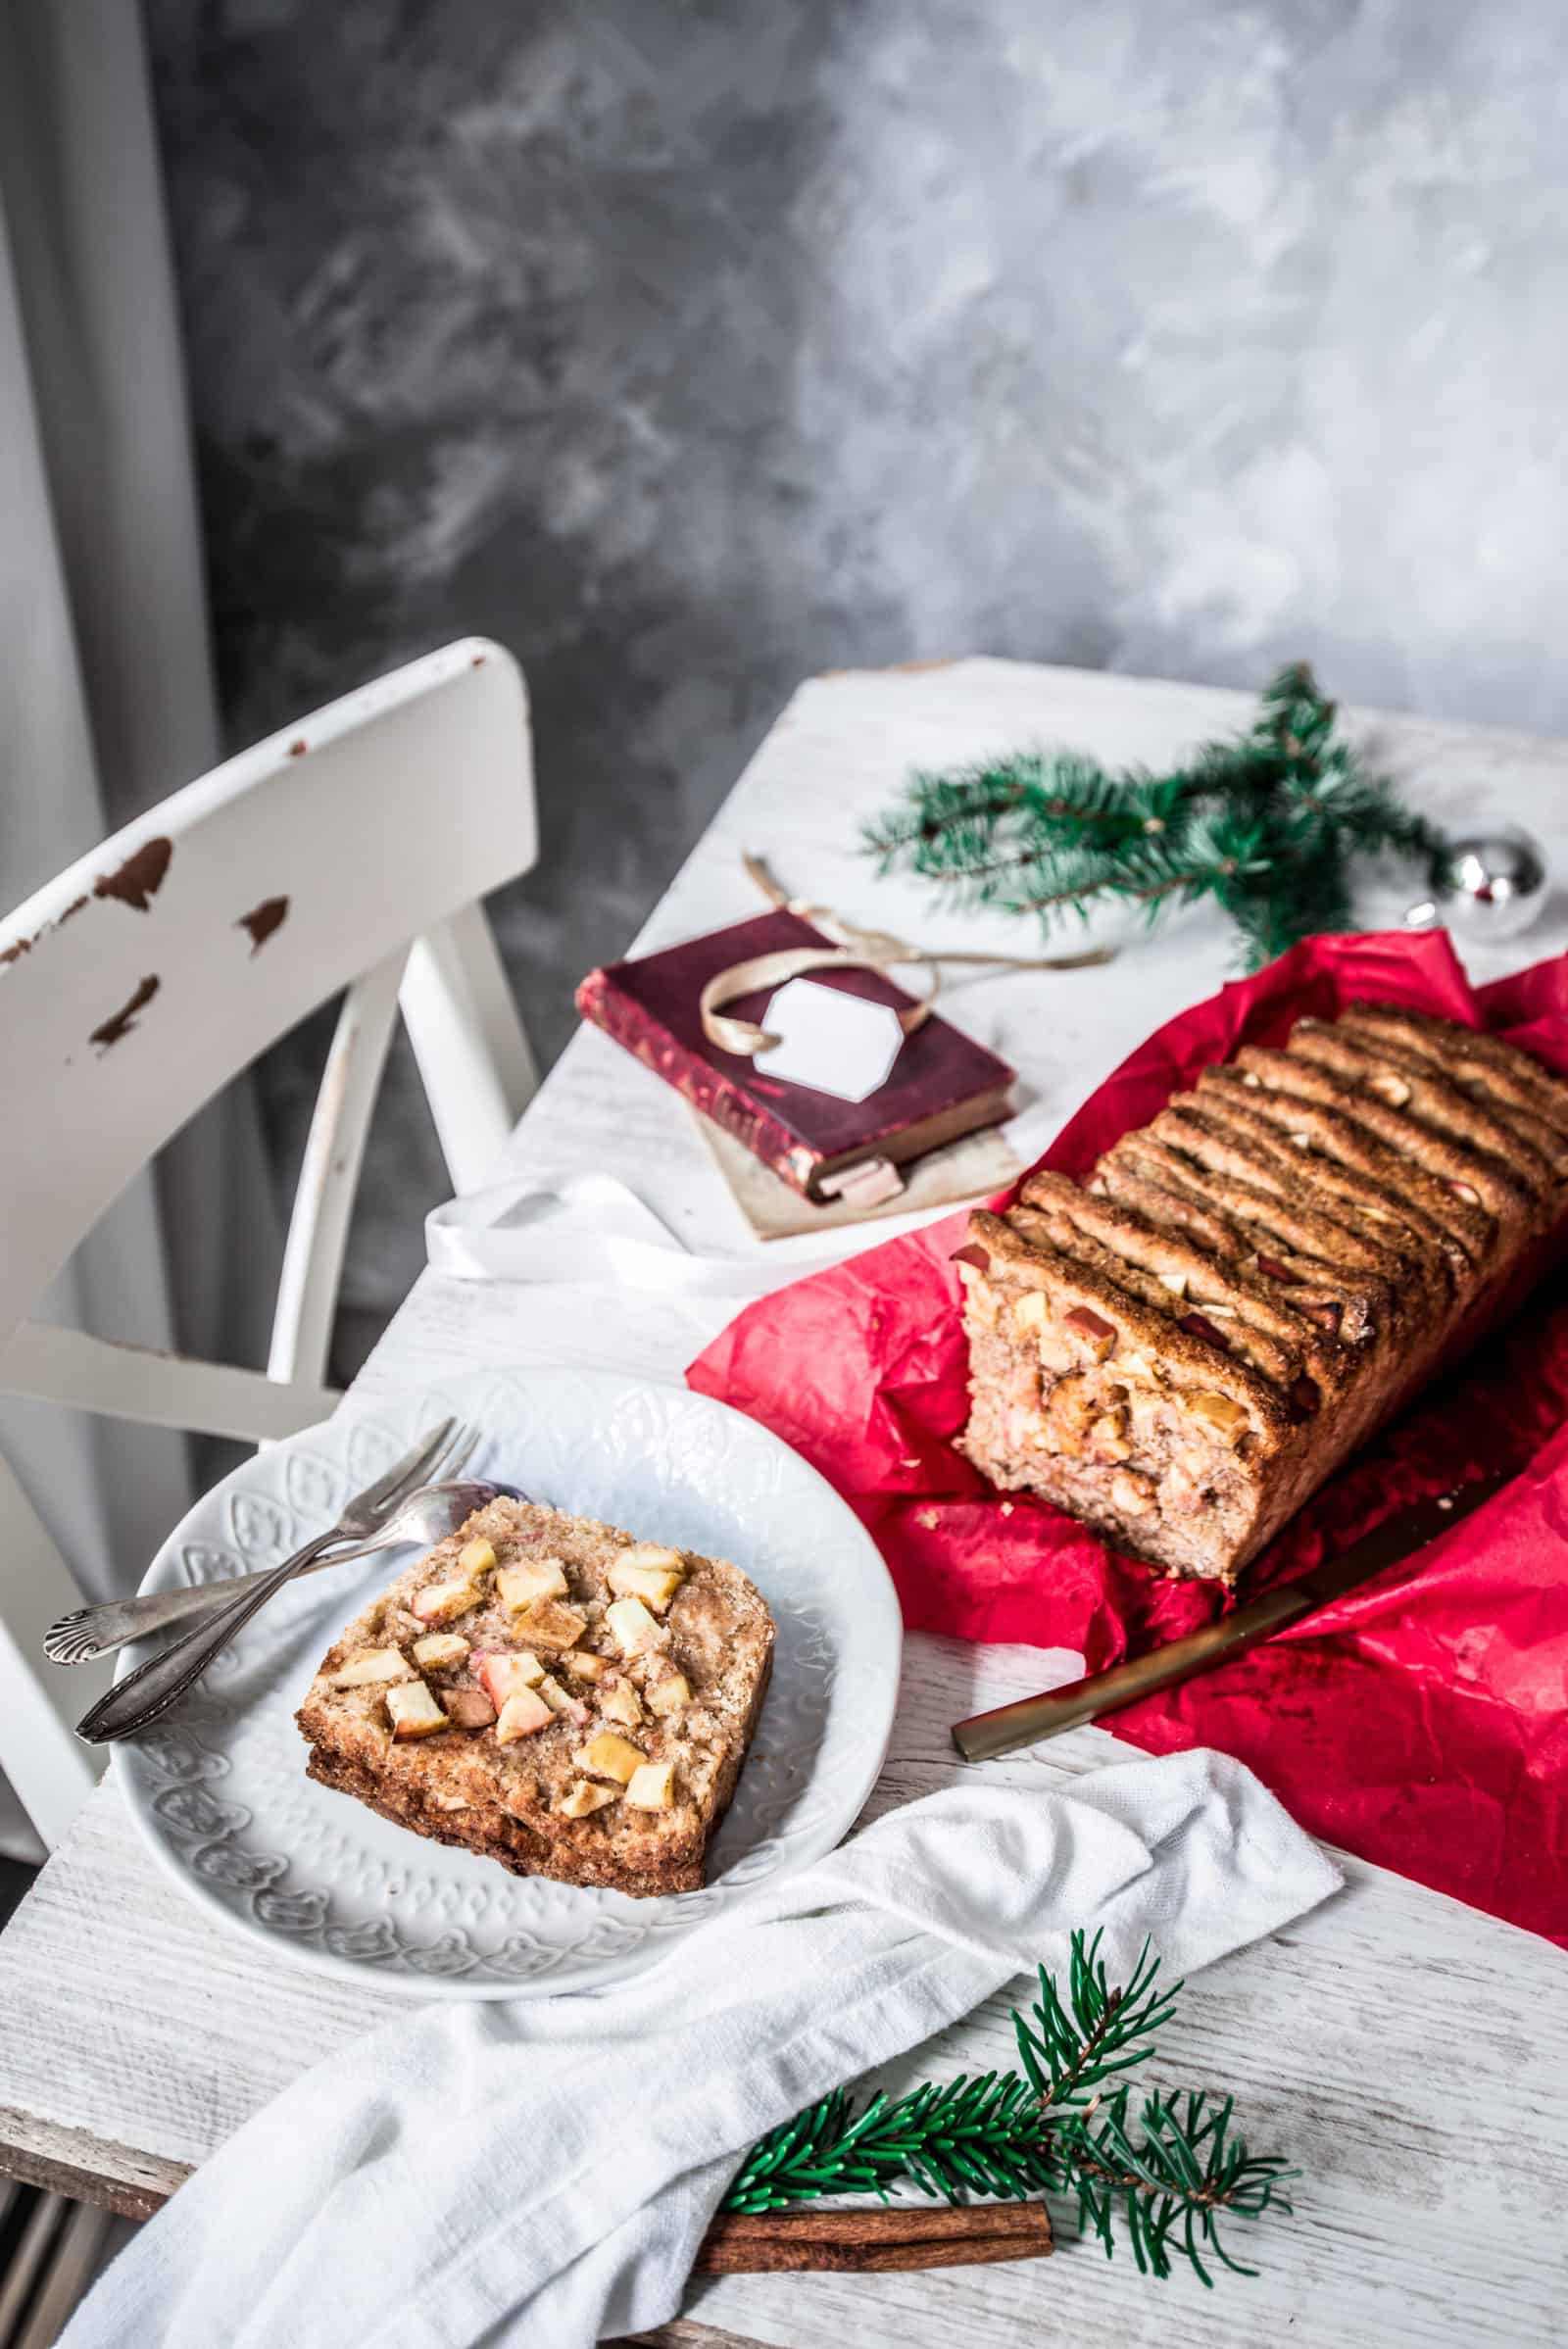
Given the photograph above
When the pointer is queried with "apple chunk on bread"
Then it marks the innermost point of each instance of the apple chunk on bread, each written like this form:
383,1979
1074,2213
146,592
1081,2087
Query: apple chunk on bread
609,1755
444,1602
376,1664
585,1719
414,1711
621,1703
522,1716
584,1665
551,1624
441,1647
634,1630
670,1695
648,1573
500,1675
525,1586
584,1799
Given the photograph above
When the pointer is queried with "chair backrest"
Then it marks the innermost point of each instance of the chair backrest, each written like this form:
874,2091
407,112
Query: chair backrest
349,852
140,981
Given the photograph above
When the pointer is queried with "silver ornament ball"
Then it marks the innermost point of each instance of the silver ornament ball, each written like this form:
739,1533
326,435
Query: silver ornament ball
1492,886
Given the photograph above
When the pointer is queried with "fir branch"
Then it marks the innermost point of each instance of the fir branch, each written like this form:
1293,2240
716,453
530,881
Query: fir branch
984,2135
1173,2184
1267,826
1056,787
1063,2124
1072,2045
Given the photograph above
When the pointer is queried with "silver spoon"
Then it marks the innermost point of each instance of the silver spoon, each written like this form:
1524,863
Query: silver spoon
146,1692
426,1518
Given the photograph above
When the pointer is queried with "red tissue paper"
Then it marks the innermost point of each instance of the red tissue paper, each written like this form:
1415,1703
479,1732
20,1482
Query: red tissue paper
1421,1722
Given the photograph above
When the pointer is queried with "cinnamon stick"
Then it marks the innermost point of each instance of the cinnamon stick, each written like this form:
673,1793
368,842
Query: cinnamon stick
874,2242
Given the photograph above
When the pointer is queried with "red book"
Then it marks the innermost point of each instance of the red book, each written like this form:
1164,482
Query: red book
943,1083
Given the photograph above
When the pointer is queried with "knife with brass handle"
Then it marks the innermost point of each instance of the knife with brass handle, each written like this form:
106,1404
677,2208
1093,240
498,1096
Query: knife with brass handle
1031,1719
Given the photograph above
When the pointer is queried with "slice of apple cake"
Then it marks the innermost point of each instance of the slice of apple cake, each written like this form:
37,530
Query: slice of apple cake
551,1692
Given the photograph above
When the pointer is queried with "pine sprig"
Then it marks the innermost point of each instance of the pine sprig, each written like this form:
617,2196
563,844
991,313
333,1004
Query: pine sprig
1169,2169
1171,2185
1069,2047
980,2136
1267,826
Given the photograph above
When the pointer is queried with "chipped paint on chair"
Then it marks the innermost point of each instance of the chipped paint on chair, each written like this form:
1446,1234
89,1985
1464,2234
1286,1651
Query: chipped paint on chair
348,851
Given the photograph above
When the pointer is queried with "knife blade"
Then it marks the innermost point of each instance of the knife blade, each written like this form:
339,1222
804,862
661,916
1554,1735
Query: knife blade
1031,1719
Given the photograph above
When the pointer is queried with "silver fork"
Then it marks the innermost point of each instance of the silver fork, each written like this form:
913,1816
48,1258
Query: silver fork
426,1518
145,1694
87,1632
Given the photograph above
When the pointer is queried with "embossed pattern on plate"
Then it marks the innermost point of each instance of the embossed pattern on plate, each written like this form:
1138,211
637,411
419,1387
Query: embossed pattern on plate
219,1788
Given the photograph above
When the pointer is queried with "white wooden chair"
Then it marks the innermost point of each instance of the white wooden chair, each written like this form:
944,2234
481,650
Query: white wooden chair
349,851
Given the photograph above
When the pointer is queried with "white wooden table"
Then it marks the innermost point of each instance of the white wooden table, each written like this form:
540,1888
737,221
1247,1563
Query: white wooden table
1410,2055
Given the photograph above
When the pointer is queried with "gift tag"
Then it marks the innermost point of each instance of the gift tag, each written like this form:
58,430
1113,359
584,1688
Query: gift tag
835,1043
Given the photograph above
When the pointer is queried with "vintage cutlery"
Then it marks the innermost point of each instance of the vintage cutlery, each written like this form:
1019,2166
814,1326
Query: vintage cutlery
1031,1719
426,1518
145,1694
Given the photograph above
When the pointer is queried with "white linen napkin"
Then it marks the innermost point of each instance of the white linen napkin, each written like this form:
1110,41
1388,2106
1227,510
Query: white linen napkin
544,2170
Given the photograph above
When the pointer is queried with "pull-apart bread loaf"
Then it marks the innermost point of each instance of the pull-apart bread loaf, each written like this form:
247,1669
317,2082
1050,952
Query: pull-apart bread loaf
549,1691
1182,1351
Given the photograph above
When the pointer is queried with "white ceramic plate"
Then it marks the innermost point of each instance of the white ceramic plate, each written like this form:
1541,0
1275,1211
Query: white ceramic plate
219,1788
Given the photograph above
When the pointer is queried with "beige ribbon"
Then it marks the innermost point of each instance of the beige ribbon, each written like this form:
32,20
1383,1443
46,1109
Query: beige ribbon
854,949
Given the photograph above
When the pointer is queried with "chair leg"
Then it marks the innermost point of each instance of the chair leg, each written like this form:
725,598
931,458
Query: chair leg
51,1772
469,1039
50,2253
319,1228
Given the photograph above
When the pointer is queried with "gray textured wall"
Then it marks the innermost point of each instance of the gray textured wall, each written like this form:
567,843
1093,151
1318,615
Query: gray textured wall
688,348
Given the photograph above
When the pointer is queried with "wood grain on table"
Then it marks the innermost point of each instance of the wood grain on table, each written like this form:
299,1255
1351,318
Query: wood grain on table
1407,2053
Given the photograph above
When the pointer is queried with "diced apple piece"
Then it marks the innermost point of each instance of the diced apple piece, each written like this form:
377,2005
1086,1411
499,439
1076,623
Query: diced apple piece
647,1572
1099,1333
524,1585
444,1602
655,1554
1107,1438
476,1556
655,1589
560,1700
652,1787
522,1716
414,1710
1220,1412
631,1627
584,1799
551,1624
671,1695
584,1665
468,1708
441,1647
450,1803
1132,1493
621,1703
610,1756
503,1675
377,1664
